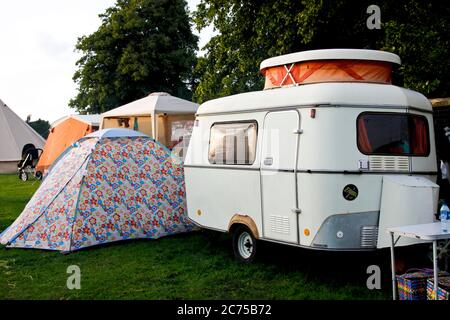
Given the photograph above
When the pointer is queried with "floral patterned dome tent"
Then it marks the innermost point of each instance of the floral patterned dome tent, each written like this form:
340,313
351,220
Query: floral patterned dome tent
112,185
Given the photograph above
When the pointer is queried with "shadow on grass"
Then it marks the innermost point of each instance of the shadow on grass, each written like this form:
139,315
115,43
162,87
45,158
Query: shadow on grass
335,268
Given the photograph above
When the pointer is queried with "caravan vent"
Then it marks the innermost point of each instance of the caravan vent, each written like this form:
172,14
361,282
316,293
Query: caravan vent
279,224
388,163
369,236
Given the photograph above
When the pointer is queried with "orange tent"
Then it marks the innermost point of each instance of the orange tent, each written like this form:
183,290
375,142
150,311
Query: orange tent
63,133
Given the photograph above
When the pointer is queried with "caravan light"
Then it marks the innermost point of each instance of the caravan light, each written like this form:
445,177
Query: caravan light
306,232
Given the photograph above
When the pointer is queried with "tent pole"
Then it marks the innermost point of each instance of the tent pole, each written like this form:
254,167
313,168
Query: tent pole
154,123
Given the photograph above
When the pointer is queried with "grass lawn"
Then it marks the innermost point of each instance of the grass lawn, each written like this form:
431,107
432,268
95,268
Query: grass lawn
188,266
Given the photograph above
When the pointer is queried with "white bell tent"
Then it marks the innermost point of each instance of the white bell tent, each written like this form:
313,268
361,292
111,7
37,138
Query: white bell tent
14,135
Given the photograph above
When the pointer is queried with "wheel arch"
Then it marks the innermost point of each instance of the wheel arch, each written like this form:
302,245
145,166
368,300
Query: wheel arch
240,219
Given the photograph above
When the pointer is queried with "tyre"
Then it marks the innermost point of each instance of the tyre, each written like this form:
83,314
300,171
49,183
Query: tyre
23,176
244,244
38,175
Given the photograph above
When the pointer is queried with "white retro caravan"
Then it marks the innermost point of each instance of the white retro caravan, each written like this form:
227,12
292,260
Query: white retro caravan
328,156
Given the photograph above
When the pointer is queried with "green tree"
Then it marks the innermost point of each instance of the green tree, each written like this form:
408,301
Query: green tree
251,31
419,32
142,46
40,126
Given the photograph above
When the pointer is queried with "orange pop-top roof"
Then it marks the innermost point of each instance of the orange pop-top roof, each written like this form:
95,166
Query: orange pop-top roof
331,65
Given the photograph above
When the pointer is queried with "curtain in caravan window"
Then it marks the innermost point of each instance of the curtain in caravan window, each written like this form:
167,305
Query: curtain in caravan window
394,134
363,138
419,136
233,143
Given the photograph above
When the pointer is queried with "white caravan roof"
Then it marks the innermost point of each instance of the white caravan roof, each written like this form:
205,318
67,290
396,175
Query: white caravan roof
331,54
337,93
15,134
158,102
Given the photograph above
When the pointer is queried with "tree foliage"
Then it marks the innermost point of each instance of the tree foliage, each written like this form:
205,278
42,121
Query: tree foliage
251,31
40,126
420,33
142,46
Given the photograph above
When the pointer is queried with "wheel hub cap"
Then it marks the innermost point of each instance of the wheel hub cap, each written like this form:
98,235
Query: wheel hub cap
245,245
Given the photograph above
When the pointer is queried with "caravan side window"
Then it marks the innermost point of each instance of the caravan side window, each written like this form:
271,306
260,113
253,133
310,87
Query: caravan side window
233,143
396,134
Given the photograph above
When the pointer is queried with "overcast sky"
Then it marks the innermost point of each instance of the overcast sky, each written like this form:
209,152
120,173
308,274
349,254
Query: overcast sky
37,58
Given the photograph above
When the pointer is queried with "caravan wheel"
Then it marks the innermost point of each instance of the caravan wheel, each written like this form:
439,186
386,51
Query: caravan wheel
244,244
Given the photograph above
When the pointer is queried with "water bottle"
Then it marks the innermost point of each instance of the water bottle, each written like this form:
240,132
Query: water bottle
444,217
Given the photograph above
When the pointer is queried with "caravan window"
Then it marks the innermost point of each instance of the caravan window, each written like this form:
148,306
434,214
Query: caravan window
397,134
233,143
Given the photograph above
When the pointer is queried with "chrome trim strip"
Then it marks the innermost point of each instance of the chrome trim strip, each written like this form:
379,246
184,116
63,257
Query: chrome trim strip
316,248
229,167
322,105
431,173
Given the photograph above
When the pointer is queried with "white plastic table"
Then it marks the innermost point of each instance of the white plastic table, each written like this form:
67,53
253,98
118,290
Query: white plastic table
431,232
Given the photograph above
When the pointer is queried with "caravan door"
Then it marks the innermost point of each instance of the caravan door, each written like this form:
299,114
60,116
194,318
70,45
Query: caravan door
278,181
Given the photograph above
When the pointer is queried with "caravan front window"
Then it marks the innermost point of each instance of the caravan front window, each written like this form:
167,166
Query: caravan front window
397,134
233,143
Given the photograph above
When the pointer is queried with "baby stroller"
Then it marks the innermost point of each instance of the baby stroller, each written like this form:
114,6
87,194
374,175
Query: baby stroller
27,166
